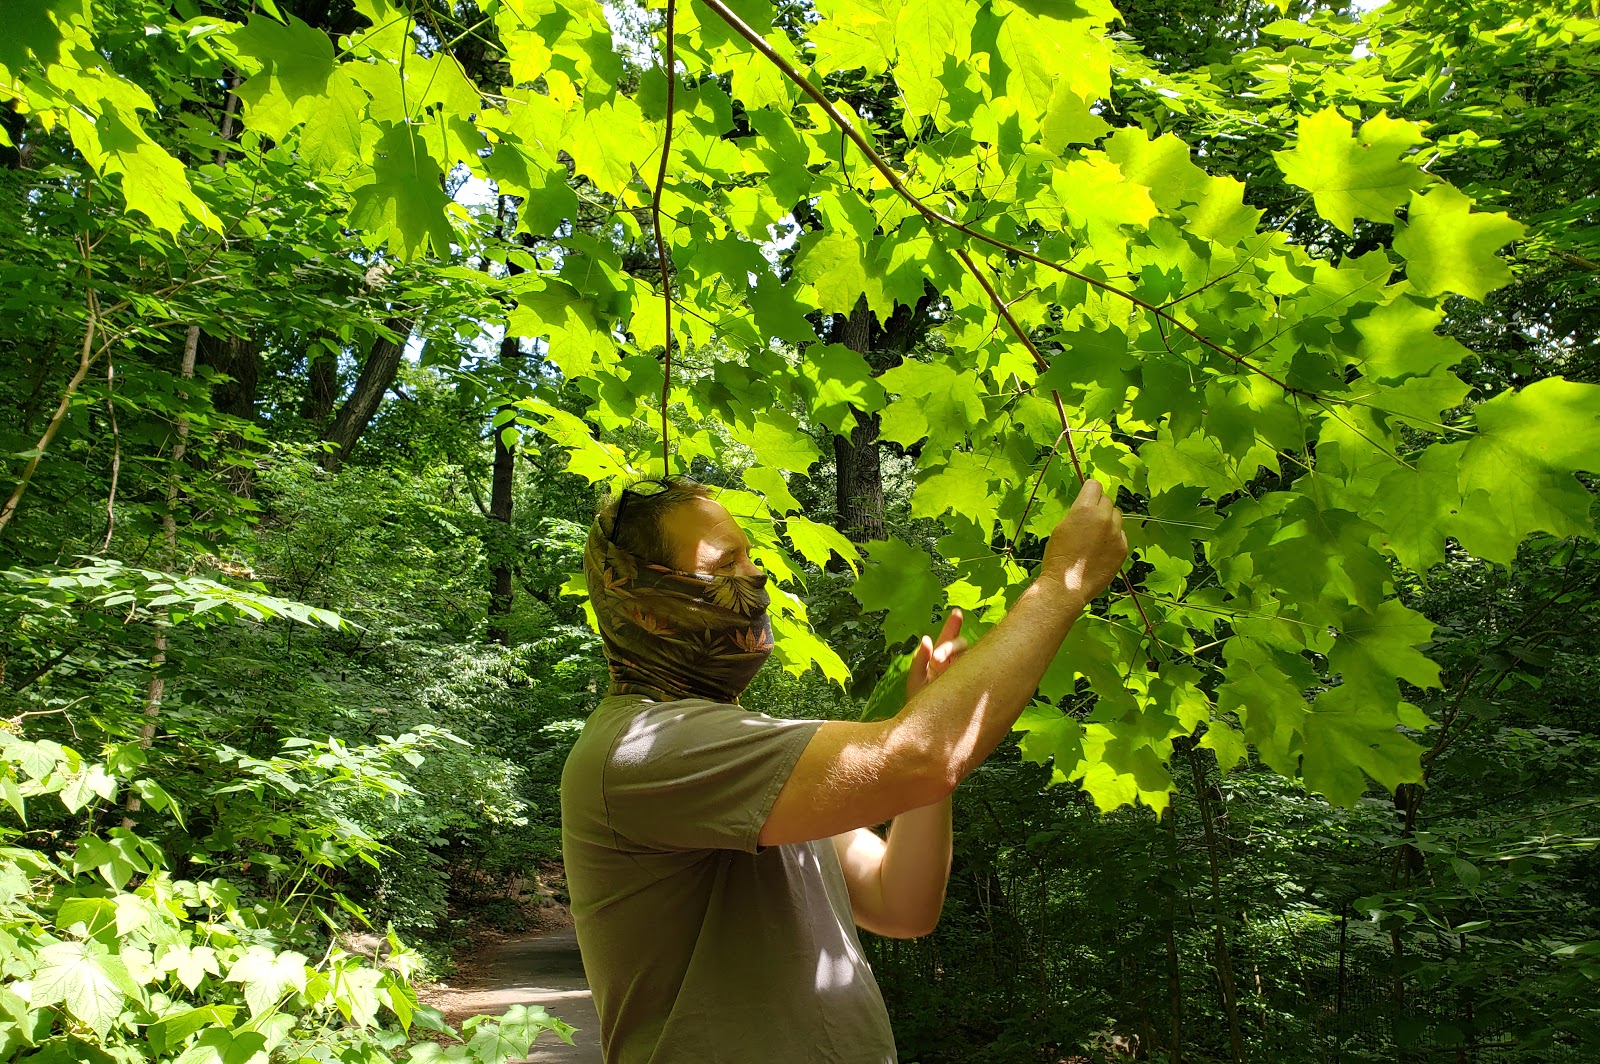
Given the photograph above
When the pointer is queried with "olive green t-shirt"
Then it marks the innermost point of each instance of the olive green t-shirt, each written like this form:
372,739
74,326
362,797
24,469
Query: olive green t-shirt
701,946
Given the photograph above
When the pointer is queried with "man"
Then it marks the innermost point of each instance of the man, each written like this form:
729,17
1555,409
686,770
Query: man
719,860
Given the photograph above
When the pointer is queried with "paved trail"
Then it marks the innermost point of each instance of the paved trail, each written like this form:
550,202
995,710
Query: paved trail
541,970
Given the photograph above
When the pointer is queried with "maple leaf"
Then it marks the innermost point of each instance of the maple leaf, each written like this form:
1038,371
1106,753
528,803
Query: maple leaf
1353,177
1449,249
402,199
899,579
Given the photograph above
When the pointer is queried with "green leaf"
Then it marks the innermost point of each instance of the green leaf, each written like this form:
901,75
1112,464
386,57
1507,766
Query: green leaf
296,63
402,200
1046,45
332,143
189,963
1348,733
1068,120
844,384
266,976
797,647
960,486
153,182
816,542
888,696
1449,249
1349,176
927,34
169,1032
90,781
554,310
778,440
1099,198
835,262
1373,648
1267,702
935,402
899,578
1517,472
609,142
772,486
1161,165
855,34
92,984
1223,740
1398,341
1050,735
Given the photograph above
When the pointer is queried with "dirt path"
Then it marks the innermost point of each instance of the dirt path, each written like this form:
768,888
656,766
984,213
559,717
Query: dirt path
537,970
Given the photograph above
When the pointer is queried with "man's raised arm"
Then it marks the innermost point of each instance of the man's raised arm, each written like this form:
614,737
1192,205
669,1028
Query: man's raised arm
853,775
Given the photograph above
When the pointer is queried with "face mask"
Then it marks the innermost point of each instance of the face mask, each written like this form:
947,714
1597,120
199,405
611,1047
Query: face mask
669,634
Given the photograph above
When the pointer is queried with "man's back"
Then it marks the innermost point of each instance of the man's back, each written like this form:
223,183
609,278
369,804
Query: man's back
698,947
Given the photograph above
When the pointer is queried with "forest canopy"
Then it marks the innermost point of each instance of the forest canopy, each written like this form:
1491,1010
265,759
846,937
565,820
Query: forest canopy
1310,290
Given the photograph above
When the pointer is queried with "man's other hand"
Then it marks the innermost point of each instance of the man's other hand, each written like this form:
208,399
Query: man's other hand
934,656
1087,547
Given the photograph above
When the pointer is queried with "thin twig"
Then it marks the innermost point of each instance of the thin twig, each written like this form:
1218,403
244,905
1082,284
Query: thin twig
669,64
930,214
1061,411
116,454
86,357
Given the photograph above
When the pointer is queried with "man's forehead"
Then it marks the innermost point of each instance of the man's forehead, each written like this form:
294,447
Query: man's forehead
708,521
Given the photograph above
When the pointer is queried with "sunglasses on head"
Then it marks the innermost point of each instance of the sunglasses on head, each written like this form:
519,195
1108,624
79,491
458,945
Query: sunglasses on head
643,489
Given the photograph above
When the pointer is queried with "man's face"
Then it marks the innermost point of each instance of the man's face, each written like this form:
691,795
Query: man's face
704,538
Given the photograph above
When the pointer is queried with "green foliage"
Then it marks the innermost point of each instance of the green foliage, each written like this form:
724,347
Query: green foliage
1094,214
103,940
1299,287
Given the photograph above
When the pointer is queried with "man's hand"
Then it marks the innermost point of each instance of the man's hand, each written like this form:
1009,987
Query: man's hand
1086,548
933,657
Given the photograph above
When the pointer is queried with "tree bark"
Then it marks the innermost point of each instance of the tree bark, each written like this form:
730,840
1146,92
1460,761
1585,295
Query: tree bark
500,502
857,459
377,374
169,520
323,389
1224,959
1170,920
155,691
240,359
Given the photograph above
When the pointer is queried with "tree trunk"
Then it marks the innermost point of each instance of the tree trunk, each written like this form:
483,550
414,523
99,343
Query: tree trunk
500,501
857,460
1170,920
322,389
169,520
155,691
240,359
1224,960
86,357
377,374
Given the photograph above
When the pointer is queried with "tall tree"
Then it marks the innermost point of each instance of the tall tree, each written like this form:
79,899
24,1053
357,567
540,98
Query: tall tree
377,376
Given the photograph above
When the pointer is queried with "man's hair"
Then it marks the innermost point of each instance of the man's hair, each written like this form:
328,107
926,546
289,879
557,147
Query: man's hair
641,533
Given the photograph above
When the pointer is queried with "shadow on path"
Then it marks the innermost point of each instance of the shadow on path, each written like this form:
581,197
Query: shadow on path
542,970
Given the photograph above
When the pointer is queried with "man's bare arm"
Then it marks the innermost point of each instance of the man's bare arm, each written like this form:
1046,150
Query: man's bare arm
851,775
897,885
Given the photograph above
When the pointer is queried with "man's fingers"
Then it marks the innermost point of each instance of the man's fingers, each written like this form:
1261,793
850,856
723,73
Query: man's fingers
1093,491
952,627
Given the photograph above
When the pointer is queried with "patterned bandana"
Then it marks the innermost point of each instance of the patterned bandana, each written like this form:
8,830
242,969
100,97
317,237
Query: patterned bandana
670,634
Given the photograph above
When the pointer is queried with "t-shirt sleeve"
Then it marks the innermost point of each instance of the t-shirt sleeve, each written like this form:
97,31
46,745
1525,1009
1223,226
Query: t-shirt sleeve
699,775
